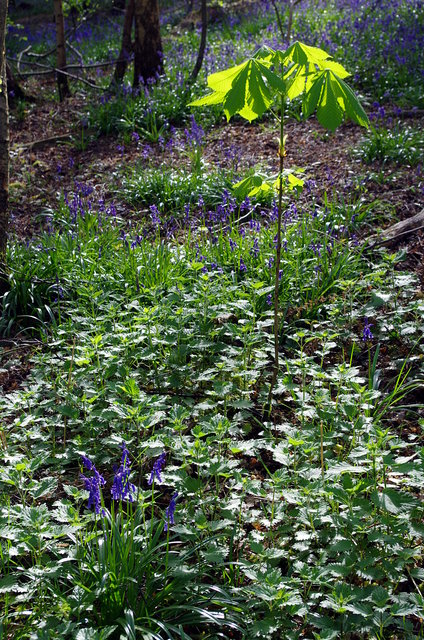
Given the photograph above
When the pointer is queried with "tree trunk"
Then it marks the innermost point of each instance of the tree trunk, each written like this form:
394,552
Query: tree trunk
14,90
148,54
4,147
202,46
62,80
126,45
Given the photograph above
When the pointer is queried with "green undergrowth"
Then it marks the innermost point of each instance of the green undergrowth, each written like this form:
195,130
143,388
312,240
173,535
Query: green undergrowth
307,523
174,189
403,145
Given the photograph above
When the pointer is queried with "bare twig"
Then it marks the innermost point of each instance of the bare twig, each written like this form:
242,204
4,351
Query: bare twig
77,53
43,142
62,71
19,59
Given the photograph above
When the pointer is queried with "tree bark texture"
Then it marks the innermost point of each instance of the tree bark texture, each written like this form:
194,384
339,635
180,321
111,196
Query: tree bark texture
126,45
148,56
62,80
4,145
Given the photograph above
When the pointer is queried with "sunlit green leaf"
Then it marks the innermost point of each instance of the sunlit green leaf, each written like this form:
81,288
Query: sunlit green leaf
332,99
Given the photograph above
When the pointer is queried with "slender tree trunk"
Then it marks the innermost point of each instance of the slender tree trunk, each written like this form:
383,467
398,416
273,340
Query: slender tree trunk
126,45
4,147
202,46
148,54
62,80
291,5
14,90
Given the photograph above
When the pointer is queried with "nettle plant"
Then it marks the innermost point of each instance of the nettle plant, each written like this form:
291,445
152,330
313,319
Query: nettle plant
272,78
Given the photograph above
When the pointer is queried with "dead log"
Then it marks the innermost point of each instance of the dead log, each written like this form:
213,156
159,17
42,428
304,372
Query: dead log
399,231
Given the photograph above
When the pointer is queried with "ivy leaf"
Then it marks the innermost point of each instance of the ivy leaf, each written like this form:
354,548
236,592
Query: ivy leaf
242,89
333,98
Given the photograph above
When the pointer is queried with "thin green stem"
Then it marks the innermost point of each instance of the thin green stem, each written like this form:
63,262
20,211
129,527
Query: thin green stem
278,258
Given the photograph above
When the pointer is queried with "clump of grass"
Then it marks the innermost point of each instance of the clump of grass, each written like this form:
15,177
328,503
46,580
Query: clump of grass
172,189
399,145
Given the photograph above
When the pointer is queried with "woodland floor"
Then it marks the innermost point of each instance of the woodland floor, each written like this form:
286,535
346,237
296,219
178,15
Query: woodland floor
43,166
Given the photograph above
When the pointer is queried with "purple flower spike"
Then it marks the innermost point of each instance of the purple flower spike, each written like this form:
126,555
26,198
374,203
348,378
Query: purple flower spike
170,511
154,213
122,488
92,485
366,334
157,469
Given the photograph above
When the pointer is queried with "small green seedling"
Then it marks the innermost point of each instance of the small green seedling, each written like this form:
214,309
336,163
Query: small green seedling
251,88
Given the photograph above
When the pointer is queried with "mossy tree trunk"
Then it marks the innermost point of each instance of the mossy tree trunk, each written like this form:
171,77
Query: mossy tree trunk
148,55
4,147
62,79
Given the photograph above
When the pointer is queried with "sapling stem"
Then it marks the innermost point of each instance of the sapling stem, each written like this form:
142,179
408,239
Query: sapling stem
278,258
68,386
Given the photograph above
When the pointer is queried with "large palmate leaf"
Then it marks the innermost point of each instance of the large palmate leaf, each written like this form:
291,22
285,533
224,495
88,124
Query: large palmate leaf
333,99
311,58
247,89
303,63
302,54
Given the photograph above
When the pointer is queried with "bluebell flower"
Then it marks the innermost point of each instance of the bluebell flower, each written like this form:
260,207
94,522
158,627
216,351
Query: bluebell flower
92,485
245,205
269,299
154,212
242,265
157,469
255,249
366,334
122,487
170,511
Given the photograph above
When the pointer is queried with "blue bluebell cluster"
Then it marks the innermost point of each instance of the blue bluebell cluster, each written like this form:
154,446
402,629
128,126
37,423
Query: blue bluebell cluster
366,333
170,511
93,485
122,488
157,469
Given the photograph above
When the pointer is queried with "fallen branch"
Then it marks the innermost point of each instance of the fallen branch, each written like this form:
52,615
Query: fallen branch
398,231
45,142
50,69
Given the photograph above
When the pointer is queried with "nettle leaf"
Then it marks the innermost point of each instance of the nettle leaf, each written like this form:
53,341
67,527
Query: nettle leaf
332,99
242,89
395,502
